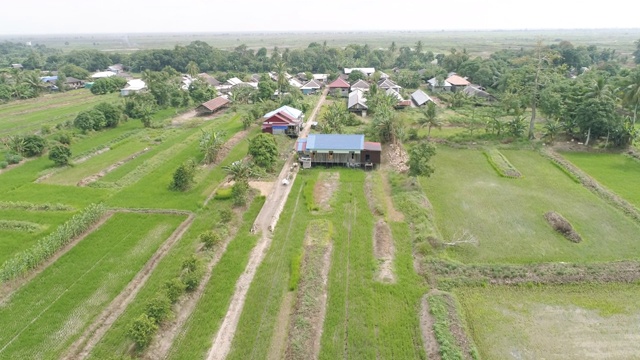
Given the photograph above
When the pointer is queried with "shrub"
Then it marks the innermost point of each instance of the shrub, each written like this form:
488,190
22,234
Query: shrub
90,120
223,194
158,308
191,273
239,192
34,145
60,154
64,138
226,215
13,158
142,330
112,114
174,289
3,164
210,239
183,176
264,150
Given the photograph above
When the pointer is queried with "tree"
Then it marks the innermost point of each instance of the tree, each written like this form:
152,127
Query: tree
636,53
430,118
239,172
112,114
551,130
60,154
631,89
281,73
33,145
90,120
142,330
419,156
356,75
192,69
264,150
183,176
247,121
210,144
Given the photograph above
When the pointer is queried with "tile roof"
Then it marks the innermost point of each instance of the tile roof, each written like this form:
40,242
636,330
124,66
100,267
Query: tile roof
457,80
339,83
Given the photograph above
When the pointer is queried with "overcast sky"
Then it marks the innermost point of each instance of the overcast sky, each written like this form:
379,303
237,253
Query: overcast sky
136,16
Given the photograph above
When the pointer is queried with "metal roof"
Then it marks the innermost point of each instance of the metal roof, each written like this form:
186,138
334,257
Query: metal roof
293,112
335,142
356,97
420,97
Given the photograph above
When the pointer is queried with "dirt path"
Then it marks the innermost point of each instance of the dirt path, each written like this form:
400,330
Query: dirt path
178,120
95,177
82,347
279,338
431,345
265,222
394,214
7,289
384,251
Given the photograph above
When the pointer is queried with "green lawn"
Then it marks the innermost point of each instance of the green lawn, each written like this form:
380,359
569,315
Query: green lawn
46,315
554,322
617,172
506,215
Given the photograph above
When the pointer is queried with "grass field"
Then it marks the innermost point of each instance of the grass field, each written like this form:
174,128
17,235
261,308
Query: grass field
615,171
506,215
554,322
28,116
47,314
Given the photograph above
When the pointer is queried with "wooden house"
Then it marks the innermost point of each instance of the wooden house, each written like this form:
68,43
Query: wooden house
339,87
282,123
420,98
338,149
311,87
360,85
357,102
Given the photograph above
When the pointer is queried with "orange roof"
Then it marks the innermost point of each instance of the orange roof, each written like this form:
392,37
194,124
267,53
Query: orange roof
457,80
339,83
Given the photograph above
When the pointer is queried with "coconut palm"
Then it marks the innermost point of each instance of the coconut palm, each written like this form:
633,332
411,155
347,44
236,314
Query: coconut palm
430,118
192,69
239,171
631,93
281,72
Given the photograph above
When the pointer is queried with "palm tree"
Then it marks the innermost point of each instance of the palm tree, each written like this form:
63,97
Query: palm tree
281,72
33,81
239,171
430,118
192,69
631,92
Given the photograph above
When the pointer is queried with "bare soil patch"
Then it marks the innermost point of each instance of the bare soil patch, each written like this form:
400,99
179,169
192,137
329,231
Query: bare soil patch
230,144
326,185
376,208
563,226
82,347
431,345
96,177
384,250
87,157
264,187
394,214
308,315
395,157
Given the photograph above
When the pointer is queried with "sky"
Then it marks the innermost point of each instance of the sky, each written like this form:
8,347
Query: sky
153,16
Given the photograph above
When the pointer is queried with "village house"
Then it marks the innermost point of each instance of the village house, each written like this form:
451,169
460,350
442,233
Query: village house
338,149
209,79
436,84
387,84
339,87
366,71
360,85
311,87
133,86
402,103
420,98
73,83
457,82
212,106
479,92
357,103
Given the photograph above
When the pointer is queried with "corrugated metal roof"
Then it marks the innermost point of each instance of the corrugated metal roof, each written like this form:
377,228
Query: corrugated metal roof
301,145
339,83
420,97
216,103
457,80
356,97
372,146
293,112
335,142
360,84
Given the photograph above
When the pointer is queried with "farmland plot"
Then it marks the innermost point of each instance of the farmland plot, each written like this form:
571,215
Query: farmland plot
43,317
617,172
554,322
506,215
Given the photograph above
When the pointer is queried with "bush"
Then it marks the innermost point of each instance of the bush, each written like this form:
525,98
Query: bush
3,164
142,330
264,150
226,215
239,192
191,273
108,85
90,120
64,138
183,176
159,308
210,239
112,113
13,158
34,145
174,289
223,194
60,154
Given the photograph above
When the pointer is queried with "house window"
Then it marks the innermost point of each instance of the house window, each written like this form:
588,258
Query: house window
353,156
367,158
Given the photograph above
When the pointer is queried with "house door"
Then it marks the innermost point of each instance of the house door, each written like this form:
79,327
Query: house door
367,158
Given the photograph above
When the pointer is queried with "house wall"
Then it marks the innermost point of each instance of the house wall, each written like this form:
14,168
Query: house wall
374,156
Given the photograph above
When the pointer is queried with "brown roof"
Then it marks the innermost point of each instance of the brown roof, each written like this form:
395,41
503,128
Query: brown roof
209,79
372,146
339,83
457,80
215,104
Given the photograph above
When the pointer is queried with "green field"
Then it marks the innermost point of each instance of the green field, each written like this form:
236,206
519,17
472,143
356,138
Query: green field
28,116
617,172
46,315
554,322
506,215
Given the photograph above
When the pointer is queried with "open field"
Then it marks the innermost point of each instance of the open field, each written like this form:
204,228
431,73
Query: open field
617,172
476,42
506,215
48,313
553,322
52,109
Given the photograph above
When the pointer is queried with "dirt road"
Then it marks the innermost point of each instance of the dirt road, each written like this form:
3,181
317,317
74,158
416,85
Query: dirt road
265,223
